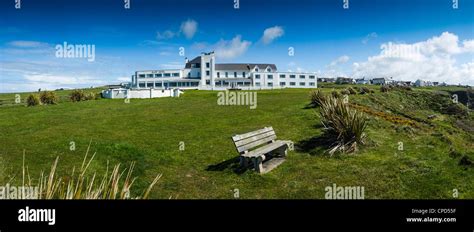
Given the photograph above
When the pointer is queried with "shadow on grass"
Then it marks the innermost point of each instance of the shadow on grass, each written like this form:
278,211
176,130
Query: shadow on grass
230,164
309,106
314,146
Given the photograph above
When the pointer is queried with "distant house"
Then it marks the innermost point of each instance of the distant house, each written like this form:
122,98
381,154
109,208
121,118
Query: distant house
345,80
422,83
435,83
362,81
382,81
326,79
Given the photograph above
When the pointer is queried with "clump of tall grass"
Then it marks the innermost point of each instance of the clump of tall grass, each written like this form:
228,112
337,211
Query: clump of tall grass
316,97
351,90
385,88
49,98
345,92
335,94
33,100
343,126
115,184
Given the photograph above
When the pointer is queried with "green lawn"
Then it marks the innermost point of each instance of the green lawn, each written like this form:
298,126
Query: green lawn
149,131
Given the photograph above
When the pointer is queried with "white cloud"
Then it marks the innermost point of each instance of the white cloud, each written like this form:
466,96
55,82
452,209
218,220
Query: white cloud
369,37
271,34
432,59
340,60
27,44
189,28
226,49
124,79
168,34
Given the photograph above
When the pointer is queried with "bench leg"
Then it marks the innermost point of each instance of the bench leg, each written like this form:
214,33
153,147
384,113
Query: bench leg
243,162
258,163
283,151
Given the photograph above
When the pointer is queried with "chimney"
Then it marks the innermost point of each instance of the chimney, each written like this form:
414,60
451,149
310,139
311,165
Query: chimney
186,60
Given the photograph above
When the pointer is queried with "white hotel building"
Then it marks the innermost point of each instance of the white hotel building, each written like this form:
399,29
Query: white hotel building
204,73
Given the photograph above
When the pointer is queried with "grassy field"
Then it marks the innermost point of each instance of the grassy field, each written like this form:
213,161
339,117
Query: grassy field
149,131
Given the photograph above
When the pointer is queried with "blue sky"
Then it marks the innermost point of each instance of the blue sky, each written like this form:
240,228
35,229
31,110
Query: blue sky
326,38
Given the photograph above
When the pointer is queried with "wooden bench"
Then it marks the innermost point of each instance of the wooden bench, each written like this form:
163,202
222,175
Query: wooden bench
261,148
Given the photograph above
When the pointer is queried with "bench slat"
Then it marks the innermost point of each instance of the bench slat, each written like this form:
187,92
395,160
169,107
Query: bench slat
250,134
254,138
251,145
265,149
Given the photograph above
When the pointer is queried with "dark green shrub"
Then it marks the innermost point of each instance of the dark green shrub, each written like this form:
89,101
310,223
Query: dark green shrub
33,100
48,98
335,94
343,125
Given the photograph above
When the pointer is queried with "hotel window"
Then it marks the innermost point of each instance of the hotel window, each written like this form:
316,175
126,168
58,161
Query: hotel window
256,69
269,76
302,76
149,84
257,83
292,83
158,75
158,84
243,74
149,75
282,76
173,84
226,74
142,85
257,76
193,65
312,84
292,76
218,74
141,76
302,83
176,74
189,74
207,65
311,77
269,69
167,74
208,82
235,74
270,84
282,83
207,73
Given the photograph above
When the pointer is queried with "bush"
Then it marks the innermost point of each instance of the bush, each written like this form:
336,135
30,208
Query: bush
317,97
343,125
335,94
48,98
90,96
385,88
345,92
351,90
364,90
77,95
32,100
